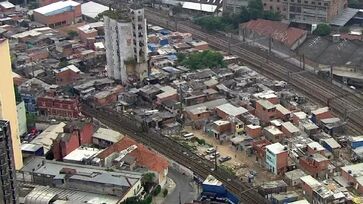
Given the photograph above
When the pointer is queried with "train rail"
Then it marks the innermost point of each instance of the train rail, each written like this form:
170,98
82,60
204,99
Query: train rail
342,103
174,151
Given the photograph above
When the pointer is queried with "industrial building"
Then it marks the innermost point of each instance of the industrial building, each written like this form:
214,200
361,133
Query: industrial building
7,101
58,14
8,193
126,47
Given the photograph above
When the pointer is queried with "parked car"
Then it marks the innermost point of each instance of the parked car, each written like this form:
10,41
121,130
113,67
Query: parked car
210,150
212,156
224,159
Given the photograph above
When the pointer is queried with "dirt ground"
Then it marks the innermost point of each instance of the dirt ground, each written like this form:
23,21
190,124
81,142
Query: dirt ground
241,163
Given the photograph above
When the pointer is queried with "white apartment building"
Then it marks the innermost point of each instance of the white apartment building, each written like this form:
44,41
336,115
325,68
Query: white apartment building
126,45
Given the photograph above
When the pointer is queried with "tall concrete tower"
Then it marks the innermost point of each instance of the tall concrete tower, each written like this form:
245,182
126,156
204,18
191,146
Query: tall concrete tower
7,101
126,44
8,193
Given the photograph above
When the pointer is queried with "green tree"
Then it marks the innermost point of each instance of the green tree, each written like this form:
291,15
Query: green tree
157,190
322,30
31,118
210,23
205,59
148,178
165,192
17,95
72,34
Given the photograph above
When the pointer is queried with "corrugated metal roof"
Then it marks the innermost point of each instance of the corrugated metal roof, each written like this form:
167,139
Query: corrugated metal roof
56,8
92,9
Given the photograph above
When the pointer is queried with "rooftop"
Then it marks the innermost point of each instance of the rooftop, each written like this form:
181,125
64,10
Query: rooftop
290,127
57,8
211,180
81,153
310,181
266,104
108,135
273,130
232,110
316,146
7,5
320,110
39,193
209,104
332,143
277,30
47,137
91,27
69,67
282,109
82,172
276,148
92,9
144,157
294,174
354,169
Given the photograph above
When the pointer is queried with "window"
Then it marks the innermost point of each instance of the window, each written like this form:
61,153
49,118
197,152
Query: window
278,8
306,2
313,2
270,7
325,4
264,4
319,3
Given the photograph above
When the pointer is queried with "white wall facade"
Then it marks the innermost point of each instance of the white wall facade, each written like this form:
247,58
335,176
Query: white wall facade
126,42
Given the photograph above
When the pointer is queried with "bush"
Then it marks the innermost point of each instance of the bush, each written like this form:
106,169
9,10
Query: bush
157,190
165,192
201,60
322,30
72,34
148,200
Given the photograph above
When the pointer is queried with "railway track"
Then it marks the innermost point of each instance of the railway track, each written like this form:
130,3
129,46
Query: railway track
176,152
315,88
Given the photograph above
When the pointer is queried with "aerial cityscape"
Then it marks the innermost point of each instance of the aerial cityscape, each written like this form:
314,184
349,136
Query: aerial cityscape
181,101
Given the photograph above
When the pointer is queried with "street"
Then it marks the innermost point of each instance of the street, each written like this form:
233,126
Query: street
183,186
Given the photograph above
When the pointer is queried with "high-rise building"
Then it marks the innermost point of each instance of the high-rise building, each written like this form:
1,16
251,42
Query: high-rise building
313,11
8,193
7,101
126,48
306,11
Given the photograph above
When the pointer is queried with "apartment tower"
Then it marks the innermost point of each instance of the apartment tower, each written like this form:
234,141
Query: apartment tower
126,44
7,101
8,193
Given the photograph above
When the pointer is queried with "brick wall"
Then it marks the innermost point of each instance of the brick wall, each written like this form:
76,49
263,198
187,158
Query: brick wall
67,17
264,115
66,108
66,77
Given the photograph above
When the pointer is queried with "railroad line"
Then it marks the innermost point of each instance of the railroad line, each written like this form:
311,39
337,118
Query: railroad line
306,82
175,151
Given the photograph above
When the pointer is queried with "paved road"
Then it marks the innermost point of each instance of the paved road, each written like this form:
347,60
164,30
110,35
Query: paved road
183,185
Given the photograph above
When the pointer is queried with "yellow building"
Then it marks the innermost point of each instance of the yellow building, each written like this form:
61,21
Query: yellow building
7,100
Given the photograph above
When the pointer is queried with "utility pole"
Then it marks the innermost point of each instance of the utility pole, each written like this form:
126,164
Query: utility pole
215,160
303,60
229,43
331,73
180,199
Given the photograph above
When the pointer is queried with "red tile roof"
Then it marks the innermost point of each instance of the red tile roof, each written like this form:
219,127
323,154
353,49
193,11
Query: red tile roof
277,30
144,157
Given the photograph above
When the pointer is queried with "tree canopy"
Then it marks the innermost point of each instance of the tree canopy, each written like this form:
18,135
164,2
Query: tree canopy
254,10
201,60
322,30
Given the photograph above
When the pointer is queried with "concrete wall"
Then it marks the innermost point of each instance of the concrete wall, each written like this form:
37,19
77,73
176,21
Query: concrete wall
21,111
7,101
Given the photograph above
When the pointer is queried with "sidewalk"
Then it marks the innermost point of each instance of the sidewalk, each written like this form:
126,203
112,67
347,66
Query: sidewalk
170,186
